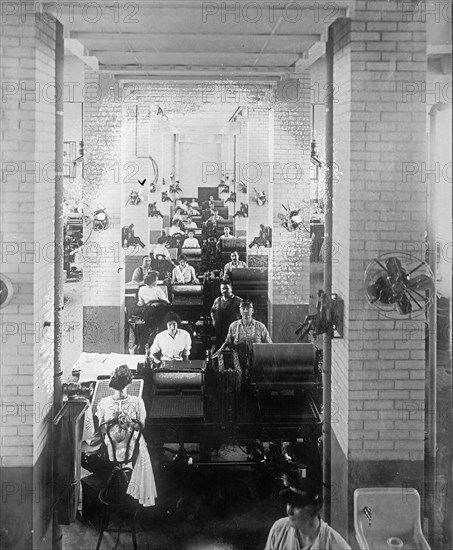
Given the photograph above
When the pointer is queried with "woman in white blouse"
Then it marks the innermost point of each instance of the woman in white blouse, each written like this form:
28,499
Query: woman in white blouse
184,273
150,292
126,410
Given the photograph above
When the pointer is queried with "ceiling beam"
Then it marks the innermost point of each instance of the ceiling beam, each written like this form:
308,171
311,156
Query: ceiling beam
261,79
183,69
196,60
290,54
152,36
229,5
313,54
79,50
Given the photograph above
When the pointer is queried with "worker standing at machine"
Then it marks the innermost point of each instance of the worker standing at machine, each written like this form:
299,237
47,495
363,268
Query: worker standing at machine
184,273
224,311
243,334
235,263
226,235
171,344
303,526
214,216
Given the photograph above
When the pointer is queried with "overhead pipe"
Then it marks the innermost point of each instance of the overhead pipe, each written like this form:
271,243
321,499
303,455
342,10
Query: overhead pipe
57,536
327,357
431,375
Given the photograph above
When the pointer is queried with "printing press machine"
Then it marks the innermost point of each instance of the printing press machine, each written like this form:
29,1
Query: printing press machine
211,403
193,257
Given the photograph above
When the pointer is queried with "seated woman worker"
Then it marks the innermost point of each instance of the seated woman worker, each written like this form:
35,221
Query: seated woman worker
184,273
171,344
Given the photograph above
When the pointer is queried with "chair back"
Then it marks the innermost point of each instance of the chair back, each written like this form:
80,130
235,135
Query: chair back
124,437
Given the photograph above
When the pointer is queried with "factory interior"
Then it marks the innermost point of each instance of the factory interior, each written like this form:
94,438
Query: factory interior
268,186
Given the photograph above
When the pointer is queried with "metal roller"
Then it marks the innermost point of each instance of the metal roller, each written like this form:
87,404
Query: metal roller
234,244
175,380
192,252
249,276
280,361
188,290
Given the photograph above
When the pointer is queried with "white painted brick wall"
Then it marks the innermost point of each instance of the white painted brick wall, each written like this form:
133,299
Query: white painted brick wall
289,268
27,221
373,366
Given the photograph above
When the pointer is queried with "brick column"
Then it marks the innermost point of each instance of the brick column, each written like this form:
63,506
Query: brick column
242,159
27,198
289,262
257,173
104,175
376,373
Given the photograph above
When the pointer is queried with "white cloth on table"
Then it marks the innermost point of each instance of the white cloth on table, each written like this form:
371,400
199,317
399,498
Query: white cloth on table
172,347
141,486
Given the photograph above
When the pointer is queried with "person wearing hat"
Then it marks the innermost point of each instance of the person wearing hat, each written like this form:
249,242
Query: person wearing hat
303,528
127,411
173,343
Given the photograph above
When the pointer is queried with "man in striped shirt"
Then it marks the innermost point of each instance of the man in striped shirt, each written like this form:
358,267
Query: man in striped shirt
244,333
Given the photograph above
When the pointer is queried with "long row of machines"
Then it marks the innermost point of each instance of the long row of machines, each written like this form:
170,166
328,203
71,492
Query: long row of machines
273,410
212,402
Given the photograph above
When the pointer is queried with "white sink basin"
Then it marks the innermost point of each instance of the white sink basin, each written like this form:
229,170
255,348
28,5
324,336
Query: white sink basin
395,512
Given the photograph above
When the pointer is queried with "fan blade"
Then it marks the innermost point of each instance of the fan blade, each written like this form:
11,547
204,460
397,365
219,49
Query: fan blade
395,269
421,282
383,266
421,264
404,305
414,299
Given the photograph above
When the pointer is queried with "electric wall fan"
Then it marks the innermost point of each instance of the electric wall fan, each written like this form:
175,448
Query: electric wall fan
399,284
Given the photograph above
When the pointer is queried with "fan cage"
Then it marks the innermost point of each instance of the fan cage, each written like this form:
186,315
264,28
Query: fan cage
413,266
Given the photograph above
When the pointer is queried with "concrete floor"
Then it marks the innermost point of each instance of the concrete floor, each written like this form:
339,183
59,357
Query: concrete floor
224,513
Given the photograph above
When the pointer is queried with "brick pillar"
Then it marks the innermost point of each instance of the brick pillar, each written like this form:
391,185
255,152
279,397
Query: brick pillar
377,374
289,262
257,173
27,198
242,158
104,176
